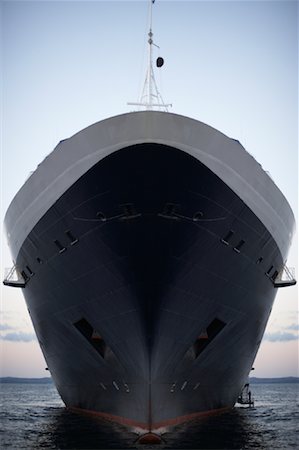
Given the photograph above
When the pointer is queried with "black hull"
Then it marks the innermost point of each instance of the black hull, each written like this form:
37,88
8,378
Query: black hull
148,287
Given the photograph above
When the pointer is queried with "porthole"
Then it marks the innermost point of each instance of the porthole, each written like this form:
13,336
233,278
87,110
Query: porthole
115,385
274,276
24,275
71,237
225,240
184,385
30,271
59,246
238,247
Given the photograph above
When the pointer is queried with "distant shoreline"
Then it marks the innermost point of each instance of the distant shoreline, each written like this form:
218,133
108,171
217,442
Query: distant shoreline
45,380
48,380
255,380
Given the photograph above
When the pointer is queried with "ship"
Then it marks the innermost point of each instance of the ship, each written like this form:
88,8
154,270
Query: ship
149,248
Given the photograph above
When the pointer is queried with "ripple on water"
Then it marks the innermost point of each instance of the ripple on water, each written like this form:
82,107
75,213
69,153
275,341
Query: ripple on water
33,417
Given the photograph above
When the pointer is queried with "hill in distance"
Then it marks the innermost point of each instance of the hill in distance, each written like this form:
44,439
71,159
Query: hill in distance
254,380
45,380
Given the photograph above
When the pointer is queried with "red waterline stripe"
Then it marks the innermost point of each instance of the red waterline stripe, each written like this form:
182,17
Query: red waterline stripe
145,426
188,417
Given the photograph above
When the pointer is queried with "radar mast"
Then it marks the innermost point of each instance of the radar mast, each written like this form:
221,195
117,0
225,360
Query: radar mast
150,97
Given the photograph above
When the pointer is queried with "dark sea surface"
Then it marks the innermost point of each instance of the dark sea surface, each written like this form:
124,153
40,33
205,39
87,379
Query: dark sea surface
33,417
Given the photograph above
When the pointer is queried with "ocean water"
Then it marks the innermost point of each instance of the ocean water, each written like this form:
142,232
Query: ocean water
32,417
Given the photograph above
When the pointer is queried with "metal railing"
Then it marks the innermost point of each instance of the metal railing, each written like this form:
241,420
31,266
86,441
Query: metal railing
285,278
13,278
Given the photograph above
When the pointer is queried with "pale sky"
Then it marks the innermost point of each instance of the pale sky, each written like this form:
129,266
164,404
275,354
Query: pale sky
66,65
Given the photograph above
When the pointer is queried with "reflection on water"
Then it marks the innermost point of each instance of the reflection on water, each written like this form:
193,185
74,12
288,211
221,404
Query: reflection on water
33,417
229,430
72,430
67,430
237,429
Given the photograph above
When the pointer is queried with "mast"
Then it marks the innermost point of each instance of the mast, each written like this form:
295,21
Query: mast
150,72
151,97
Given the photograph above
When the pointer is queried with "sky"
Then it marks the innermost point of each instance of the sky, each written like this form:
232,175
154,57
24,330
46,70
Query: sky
68,64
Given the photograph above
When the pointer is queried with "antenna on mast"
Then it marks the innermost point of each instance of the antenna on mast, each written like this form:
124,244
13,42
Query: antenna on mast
151,97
